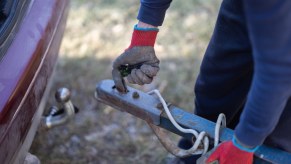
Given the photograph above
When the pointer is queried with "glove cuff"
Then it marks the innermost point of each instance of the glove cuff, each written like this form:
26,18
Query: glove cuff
143,36
241,147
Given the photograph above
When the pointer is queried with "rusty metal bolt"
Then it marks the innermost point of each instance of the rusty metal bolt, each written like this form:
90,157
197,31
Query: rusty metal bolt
160,106
135,95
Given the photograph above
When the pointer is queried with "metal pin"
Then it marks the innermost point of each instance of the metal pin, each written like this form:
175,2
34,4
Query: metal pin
135,95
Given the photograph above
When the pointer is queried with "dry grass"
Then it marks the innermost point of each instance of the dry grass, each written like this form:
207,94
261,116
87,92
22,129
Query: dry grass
97,31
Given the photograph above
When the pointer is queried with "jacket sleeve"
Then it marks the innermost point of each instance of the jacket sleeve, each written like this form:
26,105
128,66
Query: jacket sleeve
153,11
269,27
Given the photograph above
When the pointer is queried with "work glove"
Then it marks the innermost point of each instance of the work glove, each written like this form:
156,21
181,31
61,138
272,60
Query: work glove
141,56
232,152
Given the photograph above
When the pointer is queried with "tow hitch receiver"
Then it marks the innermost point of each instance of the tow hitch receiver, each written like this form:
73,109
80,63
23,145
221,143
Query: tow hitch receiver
149,108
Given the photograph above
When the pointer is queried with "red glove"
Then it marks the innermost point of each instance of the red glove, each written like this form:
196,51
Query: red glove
143,37
140,52
228,153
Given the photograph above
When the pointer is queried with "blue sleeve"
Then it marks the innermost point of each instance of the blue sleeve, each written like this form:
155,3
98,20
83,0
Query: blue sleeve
269,27
153,11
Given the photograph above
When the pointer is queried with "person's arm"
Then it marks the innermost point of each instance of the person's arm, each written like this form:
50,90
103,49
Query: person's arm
141,49
145,25
269,27
153,11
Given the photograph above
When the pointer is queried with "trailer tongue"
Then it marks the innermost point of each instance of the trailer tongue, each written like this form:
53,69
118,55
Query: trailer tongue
149,108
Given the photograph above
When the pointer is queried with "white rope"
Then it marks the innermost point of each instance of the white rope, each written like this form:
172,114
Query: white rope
221,121
199,136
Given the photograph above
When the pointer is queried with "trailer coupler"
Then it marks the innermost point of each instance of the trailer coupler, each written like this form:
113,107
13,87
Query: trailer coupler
149,108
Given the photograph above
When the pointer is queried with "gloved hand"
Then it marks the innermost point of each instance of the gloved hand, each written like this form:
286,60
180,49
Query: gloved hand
231,152
141,51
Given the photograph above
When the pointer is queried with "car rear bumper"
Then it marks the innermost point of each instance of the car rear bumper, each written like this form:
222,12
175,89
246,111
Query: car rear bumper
25,72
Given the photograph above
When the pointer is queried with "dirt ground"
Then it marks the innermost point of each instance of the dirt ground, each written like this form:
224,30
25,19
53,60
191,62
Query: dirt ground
97,32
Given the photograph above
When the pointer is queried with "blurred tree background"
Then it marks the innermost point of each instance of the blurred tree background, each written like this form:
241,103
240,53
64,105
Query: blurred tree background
97,32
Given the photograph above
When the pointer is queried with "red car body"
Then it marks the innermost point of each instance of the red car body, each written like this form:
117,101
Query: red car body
25,71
